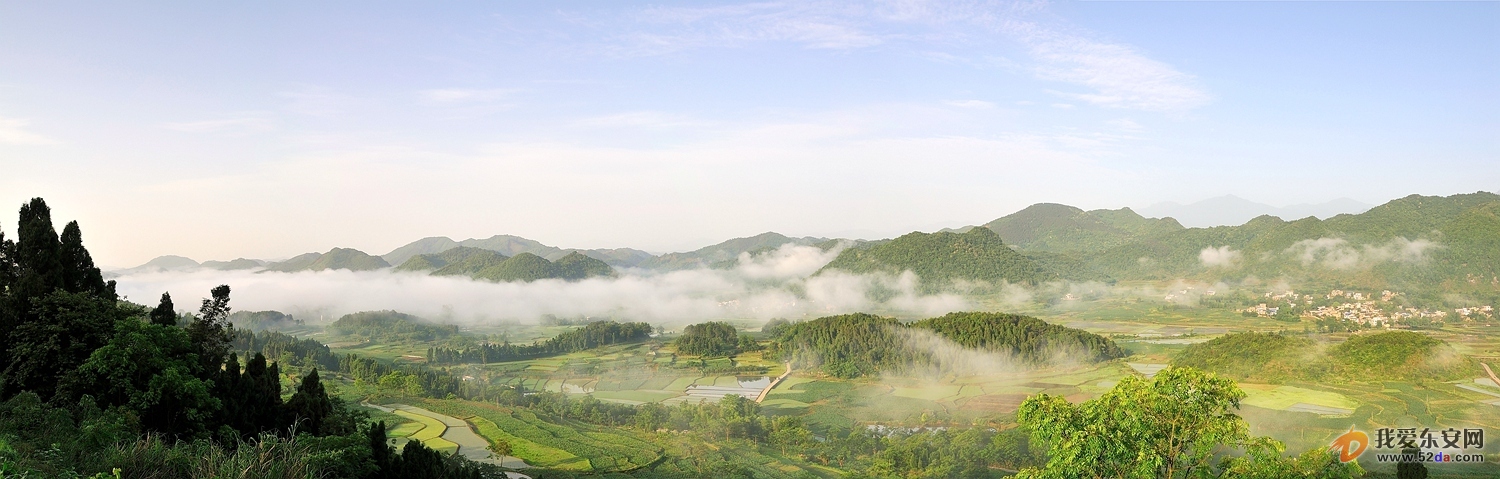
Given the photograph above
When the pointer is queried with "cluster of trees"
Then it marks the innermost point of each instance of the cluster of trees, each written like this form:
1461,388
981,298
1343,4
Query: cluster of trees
263,320
592,335
390,326
1275,357
714,338
288,349
92,383
854,345
1177,425
1023,337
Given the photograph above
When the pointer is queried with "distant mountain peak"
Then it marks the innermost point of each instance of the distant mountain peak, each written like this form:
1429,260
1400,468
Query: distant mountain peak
1231,210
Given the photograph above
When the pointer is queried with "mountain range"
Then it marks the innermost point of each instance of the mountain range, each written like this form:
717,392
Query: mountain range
1414,242
1229,210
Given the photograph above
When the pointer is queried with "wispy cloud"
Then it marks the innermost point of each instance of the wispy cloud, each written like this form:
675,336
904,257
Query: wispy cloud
816,25
464,95
13,131
1111,75
243,124
1119,75
975,104
639,119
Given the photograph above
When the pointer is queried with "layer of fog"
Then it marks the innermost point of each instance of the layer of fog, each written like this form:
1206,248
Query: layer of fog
1330,253
779,283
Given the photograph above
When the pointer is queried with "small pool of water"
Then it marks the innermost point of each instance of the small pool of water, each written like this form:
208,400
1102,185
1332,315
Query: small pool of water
756,382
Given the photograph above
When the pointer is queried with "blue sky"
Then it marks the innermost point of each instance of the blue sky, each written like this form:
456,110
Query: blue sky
216,130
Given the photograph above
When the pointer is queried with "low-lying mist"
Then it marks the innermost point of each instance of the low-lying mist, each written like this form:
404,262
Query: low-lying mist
778,283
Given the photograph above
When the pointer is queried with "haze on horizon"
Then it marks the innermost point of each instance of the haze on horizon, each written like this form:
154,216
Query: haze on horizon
216,131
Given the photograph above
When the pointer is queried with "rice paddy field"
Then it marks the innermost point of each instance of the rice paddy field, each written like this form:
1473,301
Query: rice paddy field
1303,415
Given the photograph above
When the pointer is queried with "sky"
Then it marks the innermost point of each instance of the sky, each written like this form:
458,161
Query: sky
217,130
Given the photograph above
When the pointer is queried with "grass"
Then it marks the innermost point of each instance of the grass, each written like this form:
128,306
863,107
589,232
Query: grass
930,393
1283,397
534,454
430,433
681,383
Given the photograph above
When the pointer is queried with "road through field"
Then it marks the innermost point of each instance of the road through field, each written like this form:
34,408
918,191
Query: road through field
470,444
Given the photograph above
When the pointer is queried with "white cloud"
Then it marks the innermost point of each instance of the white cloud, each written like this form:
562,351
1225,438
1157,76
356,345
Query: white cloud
245,124
1120,75
1222,256
455,95
1116,75
974,104
13,131
647,119
775,284
1339,254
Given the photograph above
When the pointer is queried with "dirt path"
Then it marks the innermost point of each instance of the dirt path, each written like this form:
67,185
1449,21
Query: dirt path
769,387
470,444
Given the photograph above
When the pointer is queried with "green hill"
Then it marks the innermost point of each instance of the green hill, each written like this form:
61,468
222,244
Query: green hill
853,345
389,326
488,265
1419,244
337,258
1061,228
942,258
724,254
234,264
1268,357
508,245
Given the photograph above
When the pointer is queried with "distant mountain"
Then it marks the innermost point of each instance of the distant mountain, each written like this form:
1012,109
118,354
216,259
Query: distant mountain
234,264
1230,210
509,245
1054,227
1413,243
941,258
484,264
163,263
723,254
337,258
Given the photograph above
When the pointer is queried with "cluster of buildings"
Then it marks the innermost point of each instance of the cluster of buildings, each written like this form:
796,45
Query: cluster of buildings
1366,309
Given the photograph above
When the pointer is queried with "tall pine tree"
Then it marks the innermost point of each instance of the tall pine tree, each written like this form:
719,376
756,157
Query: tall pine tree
164,314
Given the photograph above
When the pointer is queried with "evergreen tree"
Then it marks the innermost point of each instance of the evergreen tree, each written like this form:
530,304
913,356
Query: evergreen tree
381,453
310,405
211,331
262,389
164,314
79,274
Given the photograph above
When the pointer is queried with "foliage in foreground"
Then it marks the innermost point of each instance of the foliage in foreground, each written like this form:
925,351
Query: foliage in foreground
1179,425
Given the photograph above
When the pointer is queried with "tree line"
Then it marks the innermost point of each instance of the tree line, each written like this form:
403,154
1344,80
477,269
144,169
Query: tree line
592,335
855,345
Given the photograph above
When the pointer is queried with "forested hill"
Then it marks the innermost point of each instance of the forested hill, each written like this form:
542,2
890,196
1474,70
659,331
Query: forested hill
390,326
508,245
1416,243
854,345
484,264
337,258
725,253
942,258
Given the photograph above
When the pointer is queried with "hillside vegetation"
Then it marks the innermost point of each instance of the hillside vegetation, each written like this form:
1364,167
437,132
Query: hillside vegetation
1269,357
484,264
942,258
1417,243
854,345
337,258
390,326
